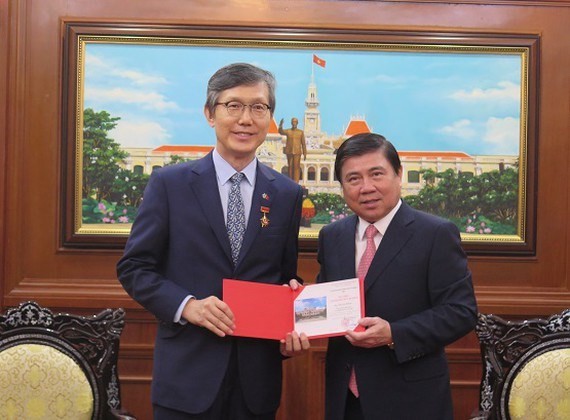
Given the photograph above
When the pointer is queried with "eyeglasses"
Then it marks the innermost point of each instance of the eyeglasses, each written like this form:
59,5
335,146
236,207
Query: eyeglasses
235,109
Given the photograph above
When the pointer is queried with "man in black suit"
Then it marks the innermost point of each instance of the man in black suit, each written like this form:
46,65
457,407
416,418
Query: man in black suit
418,293
182,246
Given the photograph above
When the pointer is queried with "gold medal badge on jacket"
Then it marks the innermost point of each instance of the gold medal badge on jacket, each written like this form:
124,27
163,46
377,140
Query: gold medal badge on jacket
265,210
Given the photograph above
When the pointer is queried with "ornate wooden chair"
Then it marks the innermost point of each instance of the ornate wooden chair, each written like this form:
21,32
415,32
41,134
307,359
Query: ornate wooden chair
526,368
59,366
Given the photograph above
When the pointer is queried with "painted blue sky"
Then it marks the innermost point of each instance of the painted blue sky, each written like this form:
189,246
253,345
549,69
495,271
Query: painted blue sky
419,101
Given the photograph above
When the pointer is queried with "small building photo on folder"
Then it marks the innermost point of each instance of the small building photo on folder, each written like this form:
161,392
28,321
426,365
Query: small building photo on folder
271,311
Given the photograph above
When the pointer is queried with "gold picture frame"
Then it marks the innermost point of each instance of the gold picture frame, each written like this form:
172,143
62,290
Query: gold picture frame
96,52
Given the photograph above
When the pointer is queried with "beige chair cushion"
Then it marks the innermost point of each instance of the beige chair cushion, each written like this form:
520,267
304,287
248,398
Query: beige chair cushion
541,390
39,382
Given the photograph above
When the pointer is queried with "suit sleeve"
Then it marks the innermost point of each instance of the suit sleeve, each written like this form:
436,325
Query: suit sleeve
140,270
290,255
453,309
322,276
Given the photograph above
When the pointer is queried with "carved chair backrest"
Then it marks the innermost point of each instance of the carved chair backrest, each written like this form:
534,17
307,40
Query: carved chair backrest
508,348
91,342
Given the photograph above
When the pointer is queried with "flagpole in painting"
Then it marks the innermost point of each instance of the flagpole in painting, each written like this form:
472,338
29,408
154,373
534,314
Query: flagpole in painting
319,62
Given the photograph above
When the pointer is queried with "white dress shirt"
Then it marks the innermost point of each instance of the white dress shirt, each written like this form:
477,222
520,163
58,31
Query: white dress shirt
360,238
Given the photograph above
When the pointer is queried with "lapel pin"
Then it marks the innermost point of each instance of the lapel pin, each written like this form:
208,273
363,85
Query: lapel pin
264,220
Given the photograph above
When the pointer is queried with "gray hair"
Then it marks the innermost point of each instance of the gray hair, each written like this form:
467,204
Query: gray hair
238,74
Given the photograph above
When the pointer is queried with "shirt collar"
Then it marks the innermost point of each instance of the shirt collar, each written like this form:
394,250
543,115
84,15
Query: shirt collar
225,171
381,224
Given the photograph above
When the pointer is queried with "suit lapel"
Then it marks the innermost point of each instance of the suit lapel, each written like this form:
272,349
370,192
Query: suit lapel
397,235
204,183
347,248
264,193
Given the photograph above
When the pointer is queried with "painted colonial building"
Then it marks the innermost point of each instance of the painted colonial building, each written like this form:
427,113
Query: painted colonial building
317,170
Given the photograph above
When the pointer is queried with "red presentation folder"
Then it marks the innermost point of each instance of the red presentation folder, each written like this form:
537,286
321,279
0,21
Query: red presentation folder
267,311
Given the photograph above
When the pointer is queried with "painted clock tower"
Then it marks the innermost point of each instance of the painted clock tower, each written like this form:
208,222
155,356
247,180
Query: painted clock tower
312,125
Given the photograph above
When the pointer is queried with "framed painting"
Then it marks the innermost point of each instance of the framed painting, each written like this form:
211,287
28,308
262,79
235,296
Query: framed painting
460,109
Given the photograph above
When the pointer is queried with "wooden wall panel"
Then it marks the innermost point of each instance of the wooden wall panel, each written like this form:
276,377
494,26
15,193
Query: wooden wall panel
4,54
34,266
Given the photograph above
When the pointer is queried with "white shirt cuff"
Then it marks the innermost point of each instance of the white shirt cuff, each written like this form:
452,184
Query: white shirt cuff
178,314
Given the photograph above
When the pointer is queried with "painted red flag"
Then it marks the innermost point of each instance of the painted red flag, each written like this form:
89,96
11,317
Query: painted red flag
319,61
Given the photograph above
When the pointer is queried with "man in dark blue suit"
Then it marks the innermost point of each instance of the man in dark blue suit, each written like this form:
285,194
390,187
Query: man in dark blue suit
418,293
179,251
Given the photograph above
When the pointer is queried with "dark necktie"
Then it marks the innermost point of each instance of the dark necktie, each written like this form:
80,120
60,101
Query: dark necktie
236,216
363,267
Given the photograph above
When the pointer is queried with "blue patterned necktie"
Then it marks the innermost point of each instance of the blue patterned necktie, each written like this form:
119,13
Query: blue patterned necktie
236,216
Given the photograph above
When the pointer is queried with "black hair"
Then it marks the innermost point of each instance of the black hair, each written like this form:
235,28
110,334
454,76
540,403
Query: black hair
361,144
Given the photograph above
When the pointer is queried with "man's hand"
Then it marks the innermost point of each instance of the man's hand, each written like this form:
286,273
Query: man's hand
281,123
293,284
378,333
210,313
294,344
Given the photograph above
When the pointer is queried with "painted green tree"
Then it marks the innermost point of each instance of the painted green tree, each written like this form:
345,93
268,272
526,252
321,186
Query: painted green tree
486,203
328,207
102,155
175,159
110,193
